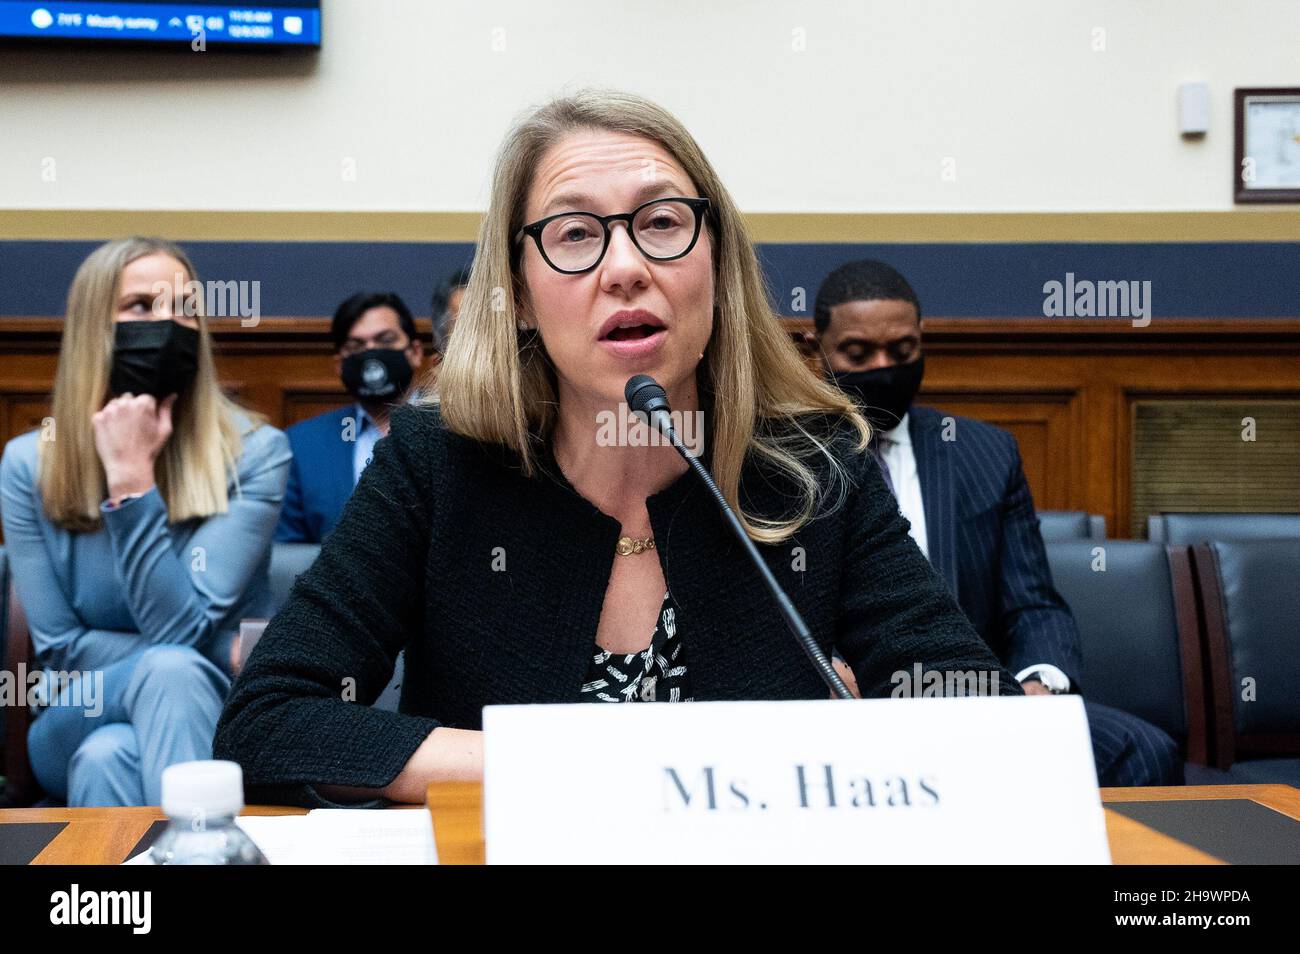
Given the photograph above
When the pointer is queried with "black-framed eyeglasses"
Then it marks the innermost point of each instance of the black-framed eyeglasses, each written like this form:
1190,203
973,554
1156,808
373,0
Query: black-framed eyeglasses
575,242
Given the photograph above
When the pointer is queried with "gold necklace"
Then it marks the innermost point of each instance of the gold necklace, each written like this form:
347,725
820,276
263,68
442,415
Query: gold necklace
629,546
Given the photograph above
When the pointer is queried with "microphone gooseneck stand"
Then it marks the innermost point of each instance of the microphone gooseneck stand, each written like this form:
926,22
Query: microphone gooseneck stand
646,397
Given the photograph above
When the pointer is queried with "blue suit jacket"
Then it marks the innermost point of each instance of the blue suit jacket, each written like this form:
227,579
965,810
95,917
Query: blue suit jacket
983,538
320,478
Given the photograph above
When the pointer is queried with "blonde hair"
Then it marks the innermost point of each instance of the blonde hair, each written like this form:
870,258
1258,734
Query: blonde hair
191,469
496,388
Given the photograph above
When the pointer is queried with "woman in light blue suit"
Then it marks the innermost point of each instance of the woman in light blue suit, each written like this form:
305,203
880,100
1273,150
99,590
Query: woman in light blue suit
138,521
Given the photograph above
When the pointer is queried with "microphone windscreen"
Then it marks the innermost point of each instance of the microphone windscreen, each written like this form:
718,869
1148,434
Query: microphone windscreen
644,394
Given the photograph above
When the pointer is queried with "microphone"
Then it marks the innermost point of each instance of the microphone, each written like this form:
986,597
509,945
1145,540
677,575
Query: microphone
646,398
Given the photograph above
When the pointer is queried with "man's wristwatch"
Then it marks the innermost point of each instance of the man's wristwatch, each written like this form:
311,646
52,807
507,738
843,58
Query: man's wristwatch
1051,685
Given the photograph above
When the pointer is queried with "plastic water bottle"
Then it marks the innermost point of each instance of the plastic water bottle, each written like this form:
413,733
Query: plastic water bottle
202,800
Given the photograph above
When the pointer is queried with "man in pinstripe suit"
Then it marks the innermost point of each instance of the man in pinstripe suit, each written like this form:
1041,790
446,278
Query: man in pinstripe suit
961,485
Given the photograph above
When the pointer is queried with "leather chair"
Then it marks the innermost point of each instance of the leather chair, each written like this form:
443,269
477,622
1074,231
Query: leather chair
1250,603
20,782
4,597
1189,529
1071,525
288,562
1140,640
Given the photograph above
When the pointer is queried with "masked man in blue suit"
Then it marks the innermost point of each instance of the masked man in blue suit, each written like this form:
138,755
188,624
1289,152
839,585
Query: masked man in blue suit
377,354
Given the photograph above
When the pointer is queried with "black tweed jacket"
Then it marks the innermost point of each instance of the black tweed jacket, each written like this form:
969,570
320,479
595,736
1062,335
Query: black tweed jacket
493,584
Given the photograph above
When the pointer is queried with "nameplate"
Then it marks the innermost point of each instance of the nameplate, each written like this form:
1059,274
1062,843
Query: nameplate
895,781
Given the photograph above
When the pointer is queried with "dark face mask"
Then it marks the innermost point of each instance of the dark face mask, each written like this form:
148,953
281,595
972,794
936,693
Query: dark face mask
153,357
884,394
379,374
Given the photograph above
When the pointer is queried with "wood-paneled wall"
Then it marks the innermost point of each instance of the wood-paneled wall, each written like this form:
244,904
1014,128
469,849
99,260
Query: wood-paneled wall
1065,388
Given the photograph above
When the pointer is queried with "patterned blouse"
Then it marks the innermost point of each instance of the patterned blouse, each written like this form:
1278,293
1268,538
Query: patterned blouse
656,674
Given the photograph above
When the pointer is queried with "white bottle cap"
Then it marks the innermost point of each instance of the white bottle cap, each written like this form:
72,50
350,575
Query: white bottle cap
202,789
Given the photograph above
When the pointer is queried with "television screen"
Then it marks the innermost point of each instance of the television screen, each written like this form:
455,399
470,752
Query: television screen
284,23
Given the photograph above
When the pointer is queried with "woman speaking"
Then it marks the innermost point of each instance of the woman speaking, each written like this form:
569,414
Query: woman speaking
520,550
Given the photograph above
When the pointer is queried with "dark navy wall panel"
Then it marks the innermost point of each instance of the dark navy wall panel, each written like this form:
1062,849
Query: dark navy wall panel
1193,279
298,278
1188,280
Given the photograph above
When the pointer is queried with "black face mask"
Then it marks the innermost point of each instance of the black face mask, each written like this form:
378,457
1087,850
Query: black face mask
153,357
379,374
884,394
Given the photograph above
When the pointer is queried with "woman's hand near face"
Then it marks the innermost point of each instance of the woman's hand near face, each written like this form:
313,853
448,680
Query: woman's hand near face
130,432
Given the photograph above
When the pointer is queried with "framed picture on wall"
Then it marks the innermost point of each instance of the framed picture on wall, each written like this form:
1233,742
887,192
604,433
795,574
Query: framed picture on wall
1267,145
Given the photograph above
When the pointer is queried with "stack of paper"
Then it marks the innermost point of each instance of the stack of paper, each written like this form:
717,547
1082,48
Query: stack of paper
340,836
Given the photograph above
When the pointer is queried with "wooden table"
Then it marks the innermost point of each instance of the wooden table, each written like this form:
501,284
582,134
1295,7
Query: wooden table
458,821
105,836
102,836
